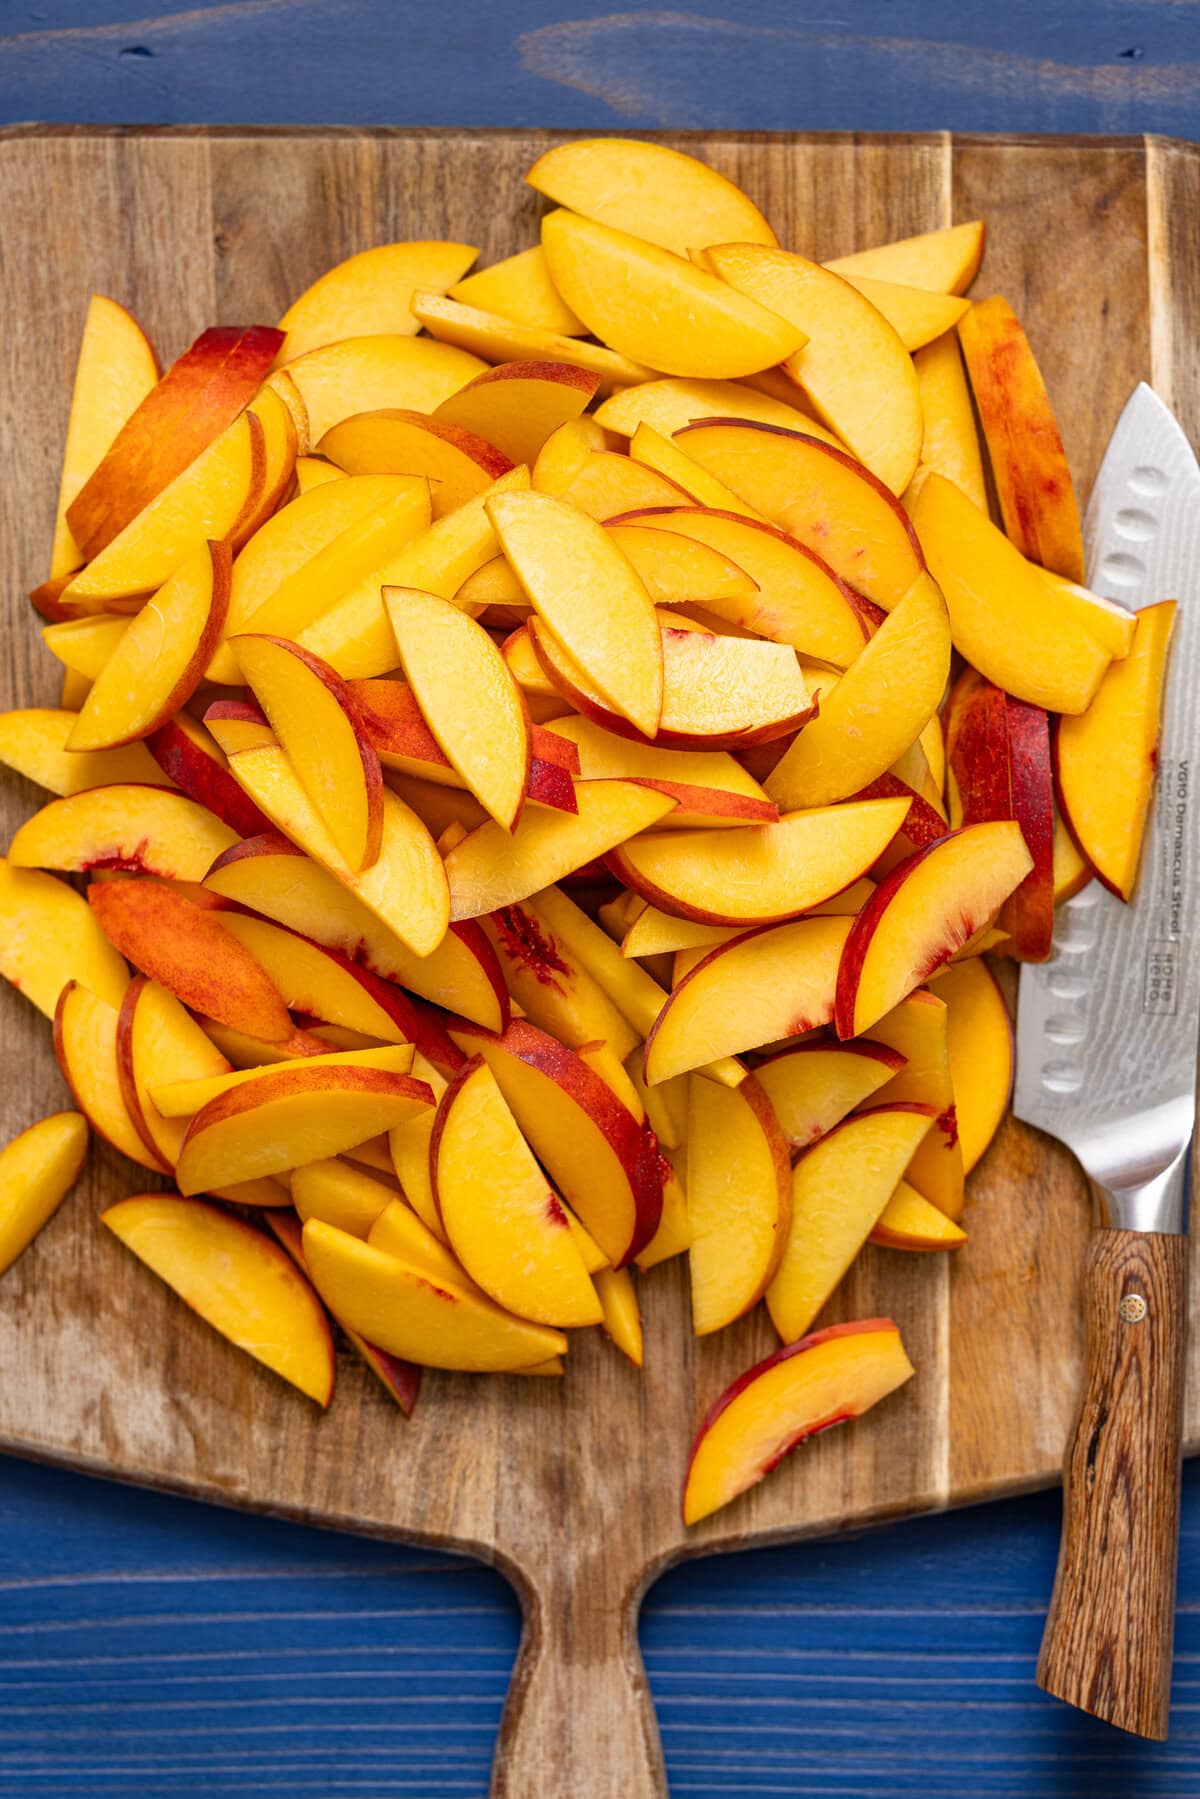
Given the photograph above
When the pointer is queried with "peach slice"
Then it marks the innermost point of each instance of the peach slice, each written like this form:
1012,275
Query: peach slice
115,372
606,484
1029,465
759,874
1000,617
289,1116
656,193
323,984
207,502
1071,872
348,1198
408,1146
496,339
184,1098
238,725
828,1378
650,932
799,601
517,406
48,937
669,404
951,443
589,597
651,449
814,1085
321,732
652,306
492,868
503,1223
602,1161
916,315
674,1234
33,741
677,568
406,887
980,1044
149,830
924,911
710,786
314,471
520,290
198,399
392,441
819,495
773,982
851,365
85,1044
161,657
361,374
739,1199
38,1168
839,1188
551,985
622,1316
187,754
158,1040
1110,624
236,1279
187,949
439,1324
1106,759
280,443
909,1222
944,261
446,654
918,1030
370,293
564,453
84,645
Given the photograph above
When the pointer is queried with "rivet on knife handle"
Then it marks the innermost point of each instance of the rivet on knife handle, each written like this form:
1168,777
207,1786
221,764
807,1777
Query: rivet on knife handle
1109,1633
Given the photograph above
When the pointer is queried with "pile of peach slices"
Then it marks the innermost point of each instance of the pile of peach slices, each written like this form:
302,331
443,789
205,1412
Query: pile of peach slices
554,746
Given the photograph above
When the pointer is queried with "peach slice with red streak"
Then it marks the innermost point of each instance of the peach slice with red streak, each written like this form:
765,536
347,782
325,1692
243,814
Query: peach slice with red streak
85,1045
814,1085
979,1039
143,830
827,1378
516,406
184,1098
918,1030
739,1199
550,984
839,1188
192,758
456,462
710,786
503,1222
238,725
158,1040
909,1222
235,1278
925,910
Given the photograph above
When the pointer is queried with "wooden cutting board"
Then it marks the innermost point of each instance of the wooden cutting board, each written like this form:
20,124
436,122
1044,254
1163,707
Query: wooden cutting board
570,1487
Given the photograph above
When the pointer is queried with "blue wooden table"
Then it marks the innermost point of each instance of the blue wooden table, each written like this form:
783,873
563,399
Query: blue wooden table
149,1646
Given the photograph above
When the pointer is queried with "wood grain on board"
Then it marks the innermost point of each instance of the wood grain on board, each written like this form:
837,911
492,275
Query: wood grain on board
572,1486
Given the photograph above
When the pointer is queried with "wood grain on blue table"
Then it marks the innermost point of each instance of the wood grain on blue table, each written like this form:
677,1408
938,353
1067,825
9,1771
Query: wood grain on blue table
1033,65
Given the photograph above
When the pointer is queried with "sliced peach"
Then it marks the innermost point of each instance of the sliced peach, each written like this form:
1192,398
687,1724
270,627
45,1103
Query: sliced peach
635,994
280,443
1000,617
519,288
679,569
852,365
652,306
397,442
183,1098
1106,759
399,1308
674,1234
909,1222
944,261
815,1084
759,874
839,1188
656,193
314,471
654,933
48,937
84,645
38,1168
238,725
564,454
187,949
651,449
1028,462
503,1222
498,339
924,911
360,374
236,1279
600,1159
405,887
805,1388
115,372
669,404
280,383
517,406
951,442
159,1040
149,830
493,868
33,741
918,1030
85,1044
551,985
198,398
408,1146
188,754
323,984
819,495
980,1043
207,502
773,982
622,1316
1071,872
739,1199
917,315
290,1116
606,484
370,293
1111,625
710,786
398,1231
346,1197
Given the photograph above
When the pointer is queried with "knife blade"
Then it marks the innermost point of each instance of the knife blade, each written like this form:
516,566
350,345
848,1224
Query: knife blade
1106,1062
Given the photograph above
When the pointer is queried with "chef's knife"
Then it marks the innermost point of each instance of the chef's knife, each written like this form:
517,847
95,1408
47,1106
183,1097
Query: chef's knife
1106,1061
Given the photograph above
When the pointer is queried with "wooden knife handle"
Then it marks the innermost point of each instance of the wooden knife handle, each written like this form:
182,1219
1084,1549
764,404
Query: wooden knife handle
1109,1633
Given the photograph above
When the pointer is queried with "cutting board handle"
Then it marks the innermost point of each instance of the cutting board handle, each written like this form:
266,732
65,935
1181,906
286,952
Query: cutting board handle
579,1722
1109,1634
